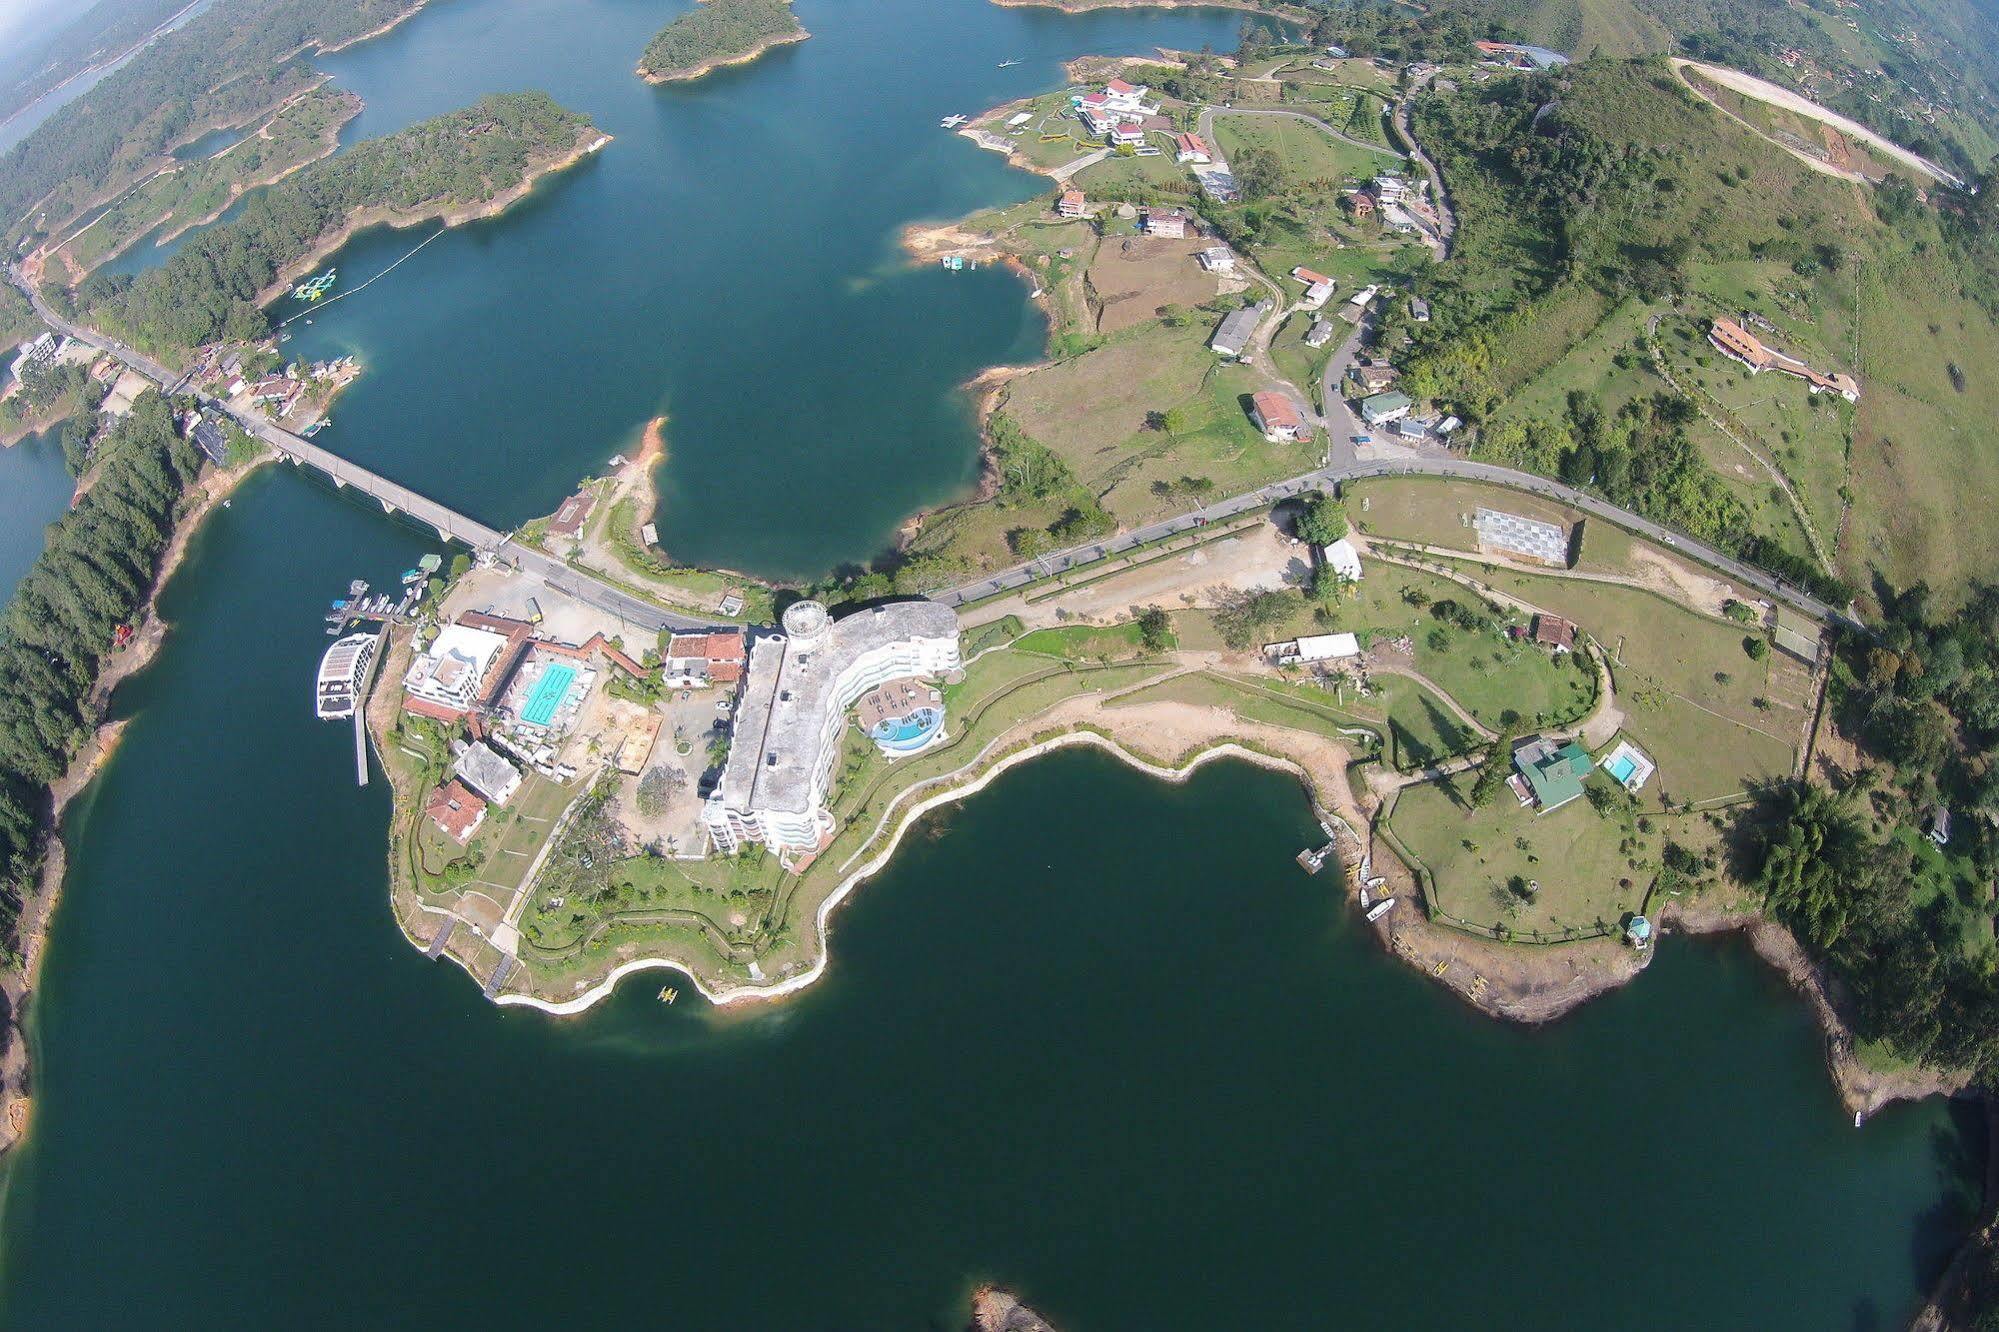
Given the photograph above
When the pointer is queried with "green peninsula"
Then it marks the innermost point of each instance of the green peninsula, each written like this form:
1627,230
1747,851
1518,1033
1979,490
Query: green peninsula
721,32
452,168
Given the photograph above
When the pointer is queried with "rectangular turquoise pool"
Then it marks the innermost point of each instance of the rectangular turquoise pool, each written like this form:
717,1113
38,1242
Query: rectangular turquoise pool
547,695
1620,768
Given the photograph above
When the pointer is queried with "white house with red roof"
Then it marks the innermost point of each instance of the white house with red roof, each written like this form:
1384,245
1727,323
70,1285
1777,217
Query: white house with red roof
1125,96
1191,149
1127,136
1072,204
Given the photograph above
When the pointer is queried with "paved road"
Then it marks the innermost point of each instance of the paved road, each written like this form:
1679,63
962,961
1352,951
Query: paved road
449,523
1447,221
1328,477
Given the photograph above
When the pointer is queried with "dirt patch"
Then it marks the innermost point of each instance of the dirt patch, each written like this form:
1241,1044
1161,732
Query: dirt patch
1133,279
1680,582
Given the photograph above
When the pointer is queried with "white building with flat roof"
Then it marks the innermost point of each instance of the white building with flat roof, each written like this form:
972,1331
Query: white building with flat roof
775,787
449,672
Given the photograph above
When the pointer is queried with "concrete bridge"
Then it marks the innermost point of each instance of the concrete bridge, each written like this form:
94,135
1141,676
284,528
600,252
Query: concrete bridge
394,497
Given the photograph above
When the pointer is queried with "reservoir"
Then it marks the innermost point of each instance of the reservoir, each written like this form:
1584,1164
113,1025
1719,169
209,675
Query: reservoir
1089,1036
35,488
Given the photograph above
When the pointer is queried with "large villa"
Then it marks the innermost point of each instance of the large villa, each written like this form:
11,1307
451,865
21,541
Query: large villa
802,681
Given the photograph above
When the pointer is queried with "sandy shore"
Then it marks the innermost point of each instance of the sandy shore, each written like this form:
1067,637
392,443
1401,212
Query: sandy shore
39,904
450,215
713,63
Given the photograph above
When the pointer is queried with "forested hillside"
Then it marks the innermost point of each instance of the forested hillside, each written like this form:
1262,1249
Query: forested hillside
92,577
227,66
716,32
210,285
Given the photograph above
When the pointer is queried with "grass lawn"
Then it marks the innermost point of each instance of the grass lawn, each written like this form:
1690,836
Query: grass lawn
1297,362
1308,155
1436,511
1687,687
1486,672
1950,892
1590,868
1083,642
1094,412
1300,707
1158,174
505,844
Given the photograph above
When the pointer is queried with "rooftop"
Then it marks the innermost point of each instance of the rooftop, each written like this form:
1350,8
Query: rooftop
1276,410
455,809
793,678
1554,771
486,772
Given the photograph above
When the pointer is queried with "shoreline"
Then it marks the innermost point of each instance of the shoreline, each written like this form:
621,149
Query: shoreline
724,995
446,214
1526,987
688,73
39,904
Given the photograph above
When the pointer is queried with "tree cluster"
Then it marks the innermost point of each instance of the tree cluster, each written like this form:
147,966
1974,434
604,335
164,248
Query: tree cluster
94,574
717,29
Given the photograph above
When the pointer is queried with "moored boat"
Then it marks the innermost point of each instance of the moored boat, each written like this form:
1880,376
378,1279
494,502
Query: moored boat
1380,909
341,672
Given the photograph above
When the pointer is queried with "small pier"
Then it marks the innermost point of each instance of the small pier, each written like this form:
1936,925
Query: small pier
499,976
363,689
441,939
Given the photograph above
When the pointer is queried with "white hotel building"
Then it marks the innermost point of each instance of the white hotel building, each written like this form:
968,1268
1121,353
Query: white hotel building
774,788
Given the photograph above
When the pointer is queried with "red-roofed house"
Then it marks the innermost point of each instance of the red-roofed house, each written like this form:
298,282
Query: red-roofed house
1119,88
568,520
1071,204
1128,136
454,808
697,660
1277,417
1191,149
1166,222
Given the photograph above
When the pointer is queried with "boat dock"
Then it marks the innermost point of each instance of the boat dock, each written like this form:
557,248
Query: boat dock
361,715
499,976
442,938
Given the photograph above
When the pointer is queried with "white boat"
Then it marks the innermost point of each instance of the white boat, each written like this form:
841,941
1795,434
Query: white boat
1009,64
1380,909
341,672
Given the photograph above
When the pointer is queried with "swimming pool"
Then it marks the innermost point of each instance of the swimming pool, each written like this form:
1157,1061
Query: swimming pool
1620,768
547,695
904,735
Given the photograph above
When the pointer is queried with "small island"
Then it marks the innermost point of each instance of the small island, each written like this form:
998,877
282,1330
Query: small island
719,33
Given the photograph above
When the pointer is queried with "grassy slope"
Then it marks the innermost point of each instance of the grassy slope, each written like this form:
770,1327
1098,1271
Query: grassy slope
1762,224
